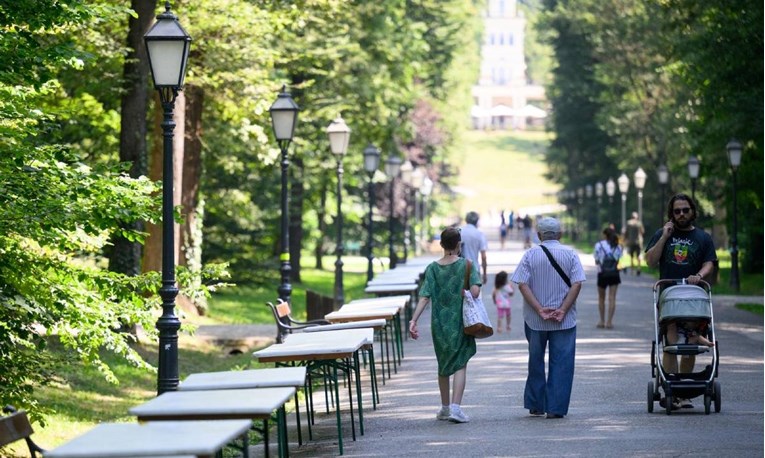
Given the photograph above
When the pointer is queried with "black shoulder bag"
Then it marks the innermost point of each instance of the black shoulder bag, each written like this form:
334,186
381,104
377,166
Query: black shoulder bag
556,266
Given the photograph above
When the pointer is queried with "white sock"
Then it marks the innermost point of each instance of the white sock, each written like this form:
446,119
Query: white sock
454,406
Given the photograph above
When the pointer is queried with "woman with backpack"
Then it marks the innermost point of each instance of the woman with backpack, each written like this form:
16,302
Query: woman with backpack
607,254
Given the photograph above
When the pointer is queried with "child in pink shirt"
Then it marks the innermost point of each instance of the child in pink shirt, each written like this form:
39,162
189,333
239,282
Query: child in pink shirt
501,296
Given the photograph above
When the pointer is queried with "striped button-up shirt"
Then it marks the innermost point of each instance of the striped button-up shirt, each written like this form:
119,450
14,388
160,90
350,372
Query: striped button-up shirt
548,287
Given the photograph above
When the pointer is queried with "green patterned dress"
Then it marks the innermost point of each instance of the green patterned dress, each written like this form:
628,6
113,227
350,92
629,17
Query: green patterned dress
444,286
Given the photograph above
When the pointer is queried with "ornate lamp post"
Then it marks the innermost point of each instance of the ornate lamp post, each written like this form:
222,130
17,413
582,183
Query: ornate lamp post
734,149
599,198
418,178
693,171
392,167
371,162
590,214
168,49
339,134
284,113
579,204
610,191
663,174
639,178
624,186
425,189
407,169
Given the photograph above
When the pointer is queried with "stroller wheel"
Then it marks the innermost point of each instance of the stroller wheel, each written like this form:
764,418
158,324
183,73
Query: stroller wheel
650,397
717,395
707,403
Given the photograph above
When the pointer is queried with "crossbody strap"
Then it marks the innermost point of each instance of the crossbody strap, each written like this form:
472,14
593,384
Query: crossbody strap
467,274
556,266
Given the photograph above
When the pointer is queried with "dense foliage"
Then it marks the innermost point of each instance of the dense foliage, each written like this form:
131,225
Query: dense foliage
71,214
639,84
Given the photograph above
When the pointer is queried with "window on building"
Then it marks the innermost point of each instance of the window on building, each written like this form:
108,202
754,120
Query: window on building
491,38
510,39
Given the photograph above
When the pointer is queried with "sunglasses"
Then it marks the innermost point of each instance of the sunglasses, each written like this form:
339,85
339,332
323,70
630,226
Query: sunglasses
684,210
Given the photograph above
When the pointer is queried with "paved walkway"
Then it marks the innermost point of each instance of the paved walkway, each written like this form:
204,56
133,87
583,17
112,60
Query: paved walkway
608,415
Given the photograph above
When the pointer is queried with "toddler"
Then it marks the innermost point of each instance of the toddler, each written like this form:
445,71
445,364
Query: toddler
501,296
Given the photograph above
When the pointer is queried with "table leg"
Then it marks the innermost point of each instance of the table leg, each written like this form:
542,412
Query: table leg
337,412
356,369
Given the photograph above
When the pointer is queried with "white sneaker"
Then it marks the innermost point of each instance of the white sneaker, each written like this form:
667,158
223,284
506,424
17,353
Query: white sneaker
458,416
444,413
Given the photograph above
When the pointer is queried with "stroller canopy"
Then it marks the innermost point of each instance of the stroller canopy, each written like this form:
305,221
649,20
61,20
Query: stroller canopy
684,302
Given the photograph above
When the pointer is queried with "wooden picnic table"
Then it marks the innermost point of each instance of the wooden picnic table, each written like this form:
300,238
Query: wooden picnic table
253,378
331,350
251,403
171,438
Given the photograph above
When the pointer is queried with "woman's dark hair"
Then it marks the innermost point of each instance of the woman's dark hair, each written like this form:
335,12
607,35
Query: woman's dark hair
500,280
450,238
685,197
611,237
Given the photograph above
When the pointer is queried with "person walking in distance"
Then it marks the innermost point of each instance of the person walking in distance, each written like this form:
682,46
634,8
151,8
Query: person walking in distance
474,243
682,251
633,236
443,287
607,254
549,277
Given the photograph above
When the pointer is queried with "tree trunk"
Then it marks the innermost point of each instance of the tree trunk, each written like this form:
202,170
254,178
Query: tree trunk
296,216
125,256
321,212
152,255
192,172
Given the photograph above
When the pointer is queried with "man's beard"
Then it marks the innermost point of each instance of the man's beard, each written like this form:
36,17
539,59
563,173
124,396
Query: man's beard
684,225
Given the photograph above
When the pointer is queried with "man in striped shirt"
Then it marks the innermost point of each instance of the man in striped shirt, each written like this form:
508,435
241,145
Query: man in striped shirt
549,313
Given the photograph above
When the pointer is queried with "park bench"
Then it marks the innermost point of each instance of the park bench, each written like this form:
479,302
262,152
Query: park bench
15,427
285,324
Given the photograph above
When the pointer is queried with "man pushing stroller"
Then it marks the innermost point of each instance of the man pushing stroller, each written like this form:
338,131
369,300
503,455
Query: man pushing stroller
682,252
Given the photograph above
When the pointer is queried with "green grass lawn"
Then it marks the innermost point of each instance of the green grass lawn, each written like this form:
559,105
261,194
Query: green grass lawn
503,170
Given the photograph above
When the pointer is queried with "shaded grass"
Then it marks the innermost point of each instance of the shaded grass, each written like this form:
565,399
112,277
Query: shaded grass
757,309
245,304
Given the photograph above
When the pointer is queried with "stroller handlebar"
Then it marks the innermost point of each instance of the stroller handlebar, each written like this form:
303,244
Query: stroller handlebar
681,281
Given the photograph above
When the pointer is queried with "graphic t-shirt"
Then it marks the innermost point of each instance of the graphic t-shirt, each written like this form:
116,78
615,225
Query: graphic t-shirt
502,296
684,253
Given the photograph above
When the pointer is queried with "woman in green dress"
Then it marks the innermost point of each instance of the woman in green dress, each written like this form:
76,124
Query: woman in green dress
443,286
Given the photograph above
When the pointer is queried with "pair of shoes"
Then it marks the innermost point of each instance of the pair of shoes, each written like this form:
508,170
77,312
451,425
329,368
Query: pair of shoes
536,413
685,403
600,325
458,416
553,416
444,413
609,326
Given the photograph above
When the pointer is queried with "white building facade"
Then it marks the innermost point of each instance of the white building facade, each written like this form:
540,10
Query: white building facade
502,96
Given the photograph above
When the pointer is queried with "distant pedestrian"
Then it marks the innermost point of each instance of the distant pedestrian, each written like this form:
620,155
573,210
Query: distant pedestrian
549,314
474,243
443,286
501,295
633,236
502,230
527,232
607,254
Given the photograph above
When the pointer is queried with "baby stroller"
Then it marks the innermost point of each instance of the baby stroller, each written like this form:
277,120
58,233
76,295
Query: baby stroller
690,308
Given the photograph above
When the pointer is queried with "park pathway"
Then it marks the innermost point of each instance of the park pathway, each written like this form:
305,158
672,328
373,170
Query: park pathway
608,416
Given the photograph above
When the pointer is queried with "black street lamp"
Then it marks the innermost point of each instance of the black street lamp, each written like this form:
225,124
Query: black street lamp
693,171
624,186
392,167
418,179
663,174
640,178
407,169
168,49
599,197
371,162
610,191
425,189
590,214
284,113
339,134
734,149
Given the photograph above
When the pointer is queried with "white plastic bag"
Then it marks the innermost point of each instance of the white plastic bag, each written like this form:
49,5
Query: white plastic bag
475,320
